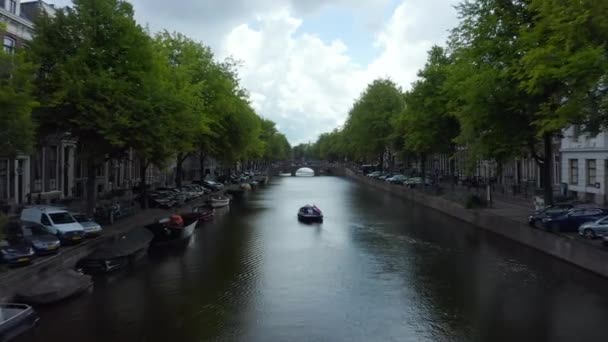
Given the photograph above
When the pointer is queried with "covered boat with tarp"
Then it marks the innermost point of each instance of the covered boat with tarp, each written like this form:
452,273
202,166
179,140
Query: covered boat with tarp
121,251
172,231
310,213
59,286
16,320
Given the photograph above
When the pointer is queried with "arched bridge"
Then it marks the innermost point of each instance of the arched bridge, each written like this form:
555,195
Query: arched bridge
292,167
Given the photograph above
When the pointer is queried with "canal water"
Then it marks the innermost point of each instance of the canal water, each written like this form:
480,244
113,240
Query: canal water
378,269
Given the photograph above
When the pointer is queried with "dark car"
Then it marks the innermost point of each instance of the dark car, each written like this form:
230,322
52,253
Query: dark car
37,236
570,221
16,254
552,211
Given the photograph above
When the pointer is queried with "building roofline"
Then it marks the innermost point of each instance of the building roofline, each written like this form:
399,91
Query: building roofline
17,18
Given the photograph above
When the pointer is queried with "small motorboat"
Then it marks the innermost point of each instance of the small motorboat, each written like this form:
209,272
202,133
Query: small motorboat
203,213
172,231
246,186
219,201
15,320
59,286
122,251
310,213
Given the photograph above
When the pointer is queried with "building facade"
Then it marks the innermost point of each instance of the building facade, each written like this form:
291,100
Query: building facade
585,165
14,170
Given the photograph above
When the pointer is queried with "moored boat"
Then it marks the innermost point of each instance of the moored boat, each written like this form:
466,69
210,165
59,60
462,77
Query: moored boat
245,186
122,251
59,286
173,231
237,193
310,213
203,213
15,320
219,201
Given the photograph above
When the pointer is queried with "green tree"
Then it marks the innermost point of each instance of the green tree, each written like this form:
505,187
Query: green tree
275,144
371,121
189,63
497,117
565,63
158,121
16,104
426,123
93,59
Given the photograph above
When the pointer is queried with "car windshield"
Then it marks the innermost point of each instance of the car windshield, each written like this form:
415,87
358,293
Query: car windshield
61,218
81,218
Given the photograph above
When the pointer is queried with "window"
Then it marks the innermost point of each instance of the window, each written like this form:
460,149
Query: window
573,171
579,212
45,220
576,132
593,212
12,6
62,218
9,45
591,172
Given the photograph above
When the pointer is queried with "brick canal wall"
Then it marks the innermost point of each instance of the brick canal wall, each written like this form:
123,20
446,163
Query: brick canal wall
576,252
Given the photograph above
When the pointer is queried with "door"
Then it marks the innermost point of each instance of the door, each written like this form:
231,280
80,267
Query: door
20,184
46,222
66,176
601,229
574,220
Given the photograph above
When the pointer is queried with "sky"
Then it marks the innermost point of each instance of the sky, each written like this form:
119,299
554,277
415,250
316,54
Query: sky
305,62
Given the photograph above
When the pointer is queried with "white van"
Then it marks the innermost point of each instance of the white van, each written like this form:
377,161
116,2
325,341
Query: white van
57,221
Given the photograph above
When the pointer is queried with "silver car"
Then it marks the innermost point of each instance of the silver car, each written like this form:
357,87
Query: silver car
594,229
91,228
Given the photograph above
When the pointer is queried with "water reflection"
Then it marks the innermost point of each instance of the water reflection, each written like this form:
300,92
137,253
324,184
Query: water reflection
378,268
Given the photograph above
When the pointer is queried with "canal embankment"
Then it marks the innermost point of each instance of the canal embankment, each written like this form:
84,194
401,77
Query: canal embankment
14,279
499,222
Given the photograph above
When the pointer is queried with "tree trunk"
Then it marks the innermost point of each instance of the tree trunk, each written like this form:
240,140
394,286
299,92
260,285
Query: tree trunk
423,167
179,170
143,168
91,195
201,158
547,169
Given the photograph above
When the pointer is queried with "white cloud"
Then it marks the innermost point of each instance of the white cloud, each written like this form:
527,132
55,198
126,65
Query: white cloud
308,85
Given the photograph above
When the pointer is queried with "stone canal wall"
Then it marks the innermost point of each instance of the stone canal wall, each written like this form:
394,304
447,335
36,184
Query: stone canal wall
67,258
571,250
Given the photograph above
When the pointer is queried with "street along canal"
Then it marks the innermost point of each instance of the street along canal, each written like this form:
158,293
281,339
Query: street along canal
378,269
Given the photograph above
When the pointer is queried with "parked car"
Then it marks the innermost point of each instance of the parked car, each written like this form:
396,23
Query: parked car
375,174
552,211
397,179
16,253
91,228
384,176
573,219
57,221
591,230
34,235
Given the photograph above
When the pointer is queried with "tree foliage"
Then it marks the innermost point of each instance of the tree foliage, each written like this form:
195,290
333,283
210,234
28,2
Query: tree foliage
16,104
426,123
93,62
371,120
